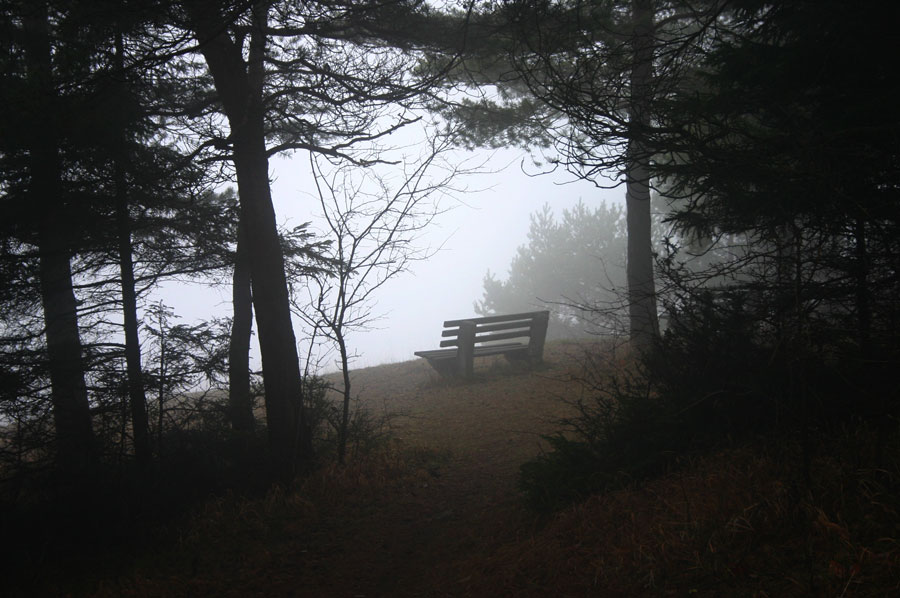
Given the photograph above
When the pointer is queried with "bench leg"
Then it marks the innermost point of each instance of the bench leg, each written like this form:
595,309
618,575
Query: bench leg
538,336
465,354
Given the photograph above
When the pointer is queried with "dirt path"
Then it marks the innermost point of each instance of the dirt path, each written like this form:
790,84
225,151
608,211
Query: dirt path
406,542
461,498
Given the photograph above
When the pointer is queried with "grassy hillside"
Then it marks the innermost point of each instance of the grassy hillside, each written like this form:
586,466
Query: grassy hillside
430,507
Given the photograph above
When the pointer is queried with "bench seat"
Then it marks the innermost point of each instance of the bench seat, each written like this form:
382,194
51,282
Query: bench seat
480,351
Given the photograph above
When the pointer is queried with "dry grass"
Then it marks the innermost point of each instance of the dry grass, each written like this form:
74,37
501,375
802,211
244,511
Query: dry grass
501,413
435,512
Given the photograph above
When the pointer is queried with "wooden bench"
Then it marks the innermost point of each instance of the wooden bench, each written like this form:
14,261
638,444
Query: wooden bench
480,337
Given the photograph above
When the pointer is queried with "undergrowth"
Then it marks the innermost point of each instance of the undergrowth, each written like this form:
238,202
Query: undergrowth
738,522
718,463
73,529
710,383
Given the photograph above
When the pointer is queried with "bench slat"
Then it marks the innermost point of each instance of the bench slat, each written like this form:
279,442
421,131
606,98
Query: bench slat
492,319
436,353
523,324
500,349
486,338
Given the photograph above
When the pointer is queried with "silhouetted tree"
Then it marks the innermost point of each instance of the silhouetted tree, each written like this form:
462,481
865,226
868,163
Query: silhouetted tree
372,222
291,77
186,364
786,135
122,196
814,190
33,152
581,77
644,325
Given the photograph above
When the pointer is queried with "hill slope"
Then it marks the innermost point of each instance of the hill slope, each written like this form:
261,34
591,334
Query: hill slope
433,511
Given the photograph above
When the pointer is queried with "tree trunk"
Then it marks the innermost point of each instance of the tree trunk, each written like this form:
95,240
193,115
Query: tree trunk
137,398
71,412
240,405
345,408
643,319
240,87
163,374
863,295
278,348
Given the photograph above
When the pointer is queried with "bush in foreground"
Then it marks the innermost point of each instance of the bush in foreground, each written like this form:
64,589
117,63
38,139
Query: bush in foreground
712,382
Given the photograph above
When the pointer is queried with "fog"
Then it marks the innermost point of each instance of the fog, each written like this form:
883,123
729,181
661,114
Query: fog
478,230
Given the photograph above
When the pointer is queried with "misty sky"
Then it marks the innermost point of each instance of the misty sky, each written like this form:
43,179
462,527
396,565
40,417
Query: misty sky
480,232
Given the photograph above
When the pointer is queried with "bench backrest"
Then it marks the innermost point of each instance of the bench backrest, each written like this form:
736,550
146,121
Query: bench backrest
531,325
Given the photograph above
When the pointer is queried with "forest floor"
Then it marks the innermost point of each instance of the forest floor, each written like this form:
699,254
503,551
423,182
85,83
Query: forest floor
398,520
432,509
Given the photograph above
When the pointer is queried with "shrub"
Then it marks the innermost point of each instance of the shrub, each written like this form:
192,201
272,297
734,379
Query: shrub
621,433
324,411
714,379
